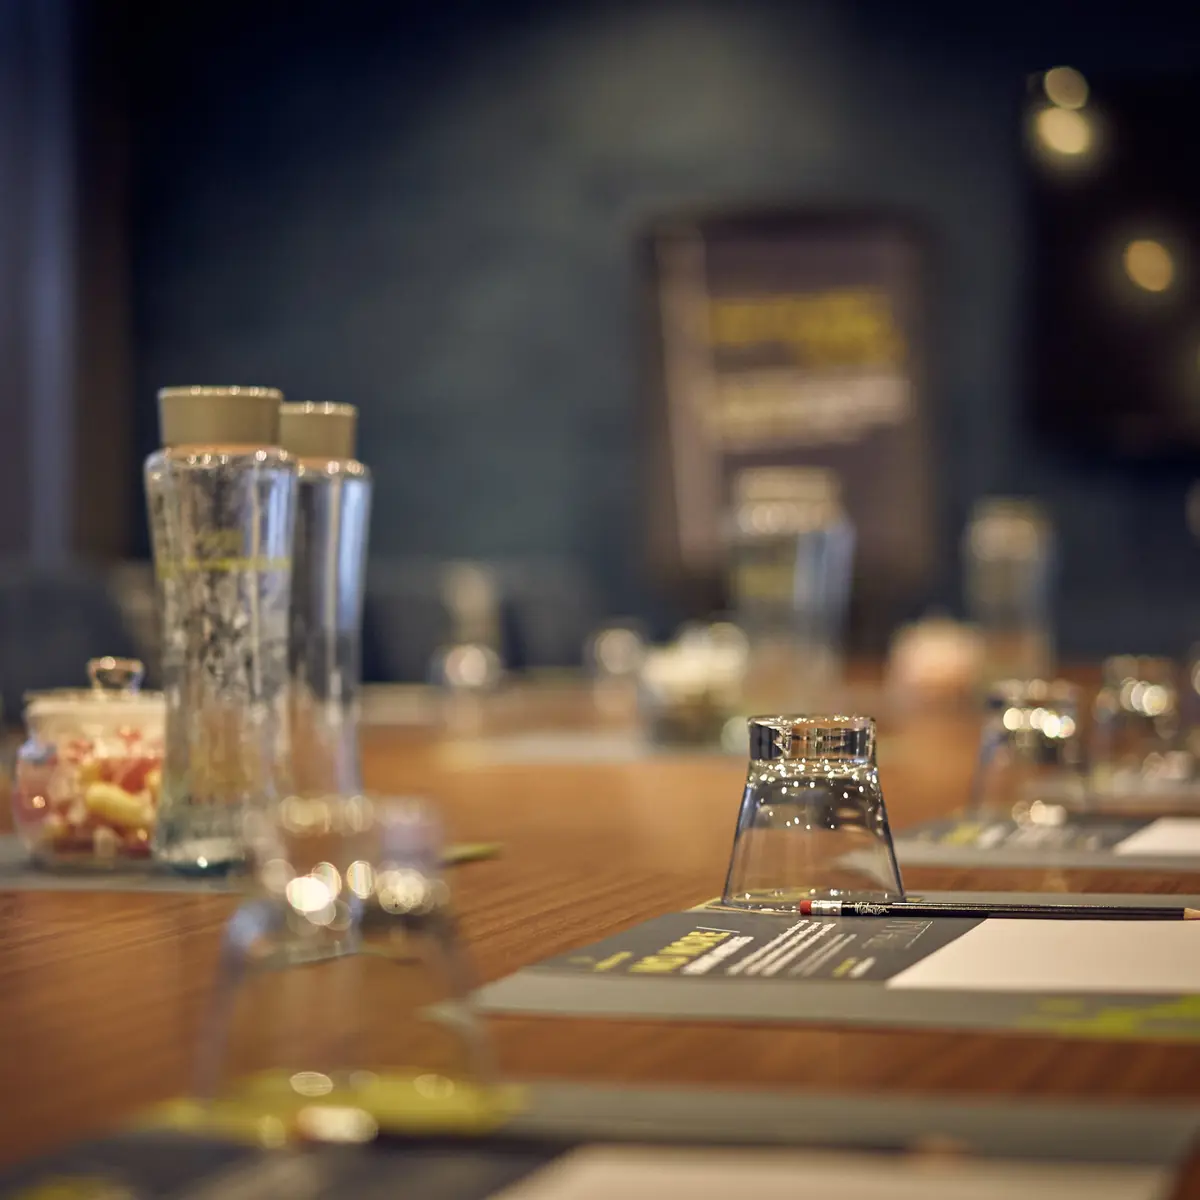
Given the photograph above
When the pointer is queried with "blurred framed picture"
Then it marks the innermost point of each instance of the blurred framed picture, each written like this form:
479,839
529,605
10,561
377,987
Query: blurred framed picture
789,338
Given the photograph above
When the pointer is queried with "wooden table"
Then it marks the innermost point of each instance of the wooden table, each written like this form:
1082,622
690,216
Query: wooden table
100,993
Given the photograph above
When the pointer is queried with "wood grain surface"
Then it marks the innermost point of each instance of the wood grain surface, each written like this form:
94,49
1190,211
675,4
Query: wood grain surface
101,993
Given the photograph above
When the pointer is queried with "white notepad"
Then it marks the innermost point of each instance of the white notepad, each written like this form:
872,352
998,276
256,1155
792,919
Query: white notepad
1167,835
1064,956
647,1173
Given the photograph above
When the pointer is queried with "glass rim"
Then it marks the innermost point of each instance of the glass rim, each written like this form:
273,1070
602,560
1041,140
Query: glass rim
853,721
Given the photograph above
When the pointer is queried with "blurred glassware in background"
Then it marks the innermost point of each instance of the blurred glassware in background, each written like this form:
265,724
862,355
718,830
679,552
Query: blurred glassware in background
690,688
352,884
89,773
613,657
791,557
812,824
221,497
333,506
469,666
1138,742
1189,702
1008,560
1031,765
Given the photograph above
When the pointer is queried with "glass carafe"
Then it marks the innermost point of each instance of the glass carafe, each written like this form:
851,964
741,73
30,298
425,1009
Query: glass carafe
1008,559
333,505
221,498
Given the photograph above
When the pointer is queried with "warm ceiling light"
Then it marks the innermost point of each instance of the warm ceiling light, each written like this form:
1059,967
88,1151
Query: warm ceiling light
1148,263
1064,131
1065,87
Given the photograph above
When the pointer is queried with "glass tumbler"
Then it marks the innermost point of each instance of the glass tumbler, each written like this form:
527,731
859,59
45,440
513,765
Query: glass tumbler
812,824
351,885
1138,745
1031,765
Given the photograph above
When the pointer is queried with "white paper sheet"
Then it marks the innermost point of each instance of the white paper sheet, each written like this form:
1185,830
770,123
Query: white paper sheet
645,1173
1065,956
1167,835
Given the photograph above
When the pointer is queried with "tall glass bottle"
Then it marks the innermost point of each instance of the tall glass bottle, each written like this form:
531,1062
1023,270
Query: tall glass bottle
221,498
1008,560
333,509
791,562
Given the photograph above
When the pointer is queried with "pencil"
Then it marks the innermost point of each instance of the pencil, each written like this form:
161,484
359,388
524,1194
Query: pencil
936,908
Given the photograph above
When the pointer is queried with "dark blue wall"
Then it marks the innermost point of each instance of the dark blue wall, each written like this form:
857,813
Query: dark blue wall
429,212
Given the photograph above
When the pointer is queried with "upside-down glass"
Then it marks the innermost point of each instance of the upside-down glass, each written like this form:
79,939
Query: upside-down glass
1031,763
812,824
613,656
1138,746
352,885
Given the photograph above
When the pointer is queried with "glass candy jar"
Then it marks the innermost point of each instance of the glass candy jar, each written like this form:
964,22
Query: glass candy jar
89,772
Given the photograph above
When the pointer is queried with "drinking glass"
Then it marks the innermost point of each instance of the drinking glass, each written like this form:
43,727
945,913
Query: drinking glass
1138,742
350,886
812,824
1031,764
613,656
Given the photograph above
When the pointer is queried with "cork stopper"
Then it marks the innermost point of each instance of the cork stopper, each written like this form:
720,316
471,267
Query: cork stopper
318,430
219,416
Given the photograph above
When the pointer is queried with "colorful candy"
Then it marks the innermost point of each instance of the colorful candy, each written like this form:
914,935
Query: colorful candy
89,798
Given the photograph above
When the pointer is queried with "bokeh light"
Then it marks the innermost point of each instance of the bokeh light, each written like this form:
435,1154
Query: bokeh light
1064,131
1065,87
1149,264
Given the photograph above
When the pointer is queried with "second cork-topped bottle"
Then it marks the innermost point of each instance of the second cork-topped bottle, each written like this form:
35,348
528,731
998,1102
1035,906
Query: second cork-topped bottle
329,563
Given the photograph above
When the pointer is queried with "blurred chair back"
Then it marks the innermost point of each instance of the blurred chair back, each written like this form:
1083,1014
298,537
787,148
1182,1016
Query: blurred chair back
404,621
51,622
547,610
551,609
133,587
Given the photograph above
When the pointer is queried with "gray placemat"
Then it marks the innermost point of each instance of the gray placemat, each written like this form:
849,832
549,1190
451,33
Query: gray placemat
592,982
19,874
1147,1142
1081,844
1024,1128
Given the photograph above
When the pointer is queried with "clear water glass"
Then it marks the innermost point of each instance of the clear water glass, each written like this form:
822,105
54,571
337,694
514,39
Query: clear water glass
1138,742
350,885
1031,765
812,824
